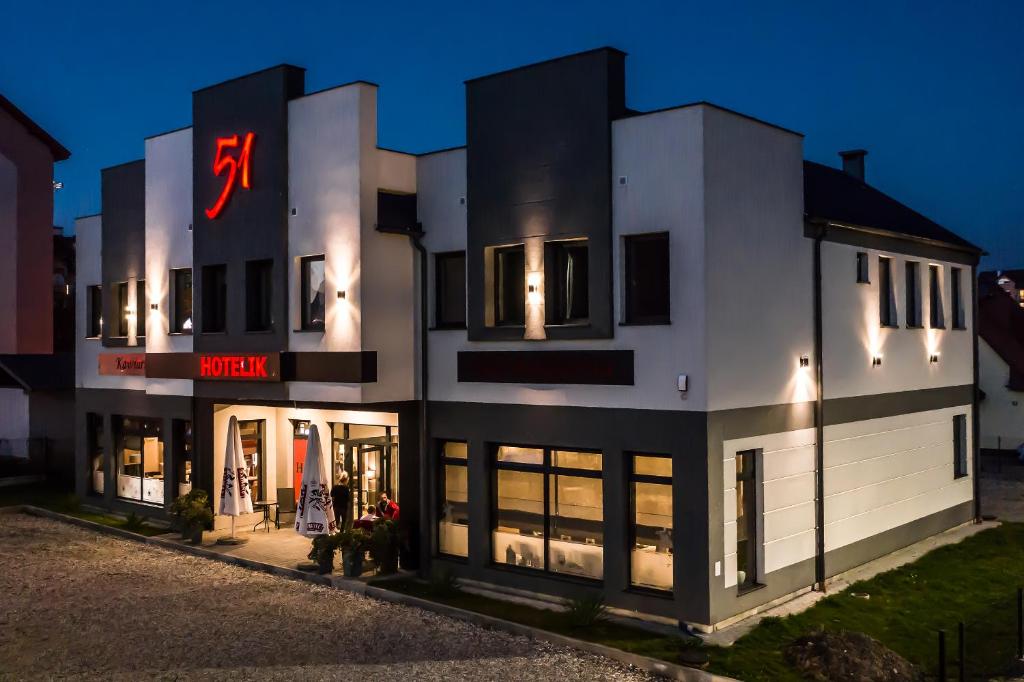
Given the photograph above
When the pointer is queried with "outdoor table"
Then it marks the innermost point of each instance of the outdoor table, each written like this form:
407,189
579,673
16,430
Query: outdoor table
265,505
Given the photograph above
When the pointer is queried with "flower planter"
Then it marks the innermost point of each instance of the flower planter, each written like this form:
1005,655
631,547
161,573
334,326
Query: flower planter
352,563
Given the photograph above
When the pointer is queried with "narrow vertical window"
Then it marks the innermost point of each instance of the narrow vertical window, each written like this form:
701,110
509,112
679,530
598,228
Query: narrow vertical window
215,298
122,308
450,290
886,294
453,517
862,268
651,503
959,446
566,282
957,298
94,311
183,455
141,308
937,314
747,545
252,433
95,435
510,286
646,278
313,292
181,301
913,293
258,287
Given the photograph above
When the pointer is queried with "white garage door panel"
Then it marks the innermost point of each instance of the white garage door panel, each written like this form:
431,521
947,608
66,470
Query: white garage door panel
837,432
854,502
849,450
870,472
783,463
788,551
789,521
785,492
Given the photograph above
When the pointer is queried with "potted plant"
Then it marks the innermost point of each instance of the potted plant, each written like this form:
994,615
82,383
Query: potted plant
384,544
353,544
322,552
193,514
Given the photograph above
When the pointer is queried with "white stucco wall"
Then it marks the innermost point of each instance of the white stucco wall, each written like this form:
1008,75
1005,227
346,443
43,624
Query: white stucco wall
1002,410
852,333
168,244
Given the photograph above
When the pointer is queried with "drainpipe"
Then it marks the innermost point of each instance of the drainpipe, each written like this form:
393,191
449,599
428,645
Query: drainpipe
819,423
975,418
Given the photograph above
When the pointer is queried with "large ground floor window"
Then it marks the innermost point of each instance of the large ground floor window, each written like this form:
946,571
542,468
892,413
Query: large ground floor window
651,500
183,443
453,519
94,443
550,510
367,454
139,451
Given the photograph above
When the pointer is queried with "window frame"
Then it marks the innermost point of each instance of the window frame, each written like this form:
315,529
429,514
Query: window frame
936,302
863,268
96,446
121,292
629,315
141,309
210,302
442,483
888,313
631,524
960,467
957,312
305,323
556,259
912,294
547,470
498,252
120,432
441,320
177,324
753,539
256,306
94,311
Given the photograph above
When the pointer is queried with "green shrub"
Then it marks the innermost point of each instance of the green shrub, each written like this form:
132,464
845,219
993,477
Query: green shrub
384,544
583,612
134,523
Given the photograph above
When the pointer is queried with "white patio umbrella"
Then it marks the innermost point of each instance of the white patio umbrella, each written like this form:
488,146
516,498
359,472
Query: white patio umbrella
315,512
235,493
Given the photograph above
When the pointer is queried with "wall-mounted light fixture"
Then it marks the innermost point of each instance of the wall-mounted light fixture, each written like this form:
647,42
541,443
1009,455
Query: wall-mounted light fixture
934,357
341,293
876,361
154,306
805,361
533,288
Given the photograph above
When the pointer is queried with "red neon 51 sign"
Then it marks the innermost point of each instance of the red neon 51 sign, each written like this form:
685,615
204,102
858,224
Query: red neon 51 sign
225,162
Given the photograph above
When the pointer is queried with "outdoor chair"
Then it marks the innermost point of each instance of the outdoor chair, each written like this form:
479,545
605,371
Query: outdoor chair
285,506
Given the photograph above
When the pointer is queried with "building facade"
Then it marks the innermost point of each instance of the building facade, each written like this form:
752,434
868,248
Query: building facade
1001,359
589,343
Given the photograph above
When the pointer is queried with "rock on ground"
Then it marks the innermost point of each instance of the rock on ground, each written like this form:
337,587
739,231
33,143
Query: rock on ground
78,603
848,657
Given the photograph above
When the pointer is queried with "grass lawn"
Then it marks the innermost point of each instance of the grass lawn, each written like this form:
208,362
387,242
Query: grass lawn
60,500
974,581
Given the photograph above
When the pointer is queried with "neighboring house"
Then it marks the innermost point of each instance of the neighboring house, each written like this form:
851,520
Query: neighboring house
658,356
1001,359
35,429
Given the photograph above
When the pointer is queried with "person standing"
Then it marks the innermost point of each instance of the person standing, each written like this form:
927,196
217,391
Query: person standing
341,497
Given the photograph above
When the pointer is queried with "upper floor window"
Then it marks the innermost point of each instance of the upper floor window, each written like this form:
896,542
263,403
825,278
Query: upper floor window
957,298
567,287
181,301
94,311
313,291
123,309
646,278
510,285
258,285
140,307
913,293
886,294
215,298
450,290
862,268
935,303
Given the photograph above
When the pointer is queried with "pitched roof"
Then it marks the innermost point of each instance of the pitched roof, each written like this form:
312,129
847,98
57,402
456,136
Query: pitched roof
836,196
60,153
1001,324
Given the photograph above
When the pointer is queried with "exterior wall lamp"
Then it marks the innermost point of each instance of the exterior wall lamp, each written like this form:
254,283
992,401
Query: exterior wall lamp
934,357
533,288
154,306
805,361
341,293
876,361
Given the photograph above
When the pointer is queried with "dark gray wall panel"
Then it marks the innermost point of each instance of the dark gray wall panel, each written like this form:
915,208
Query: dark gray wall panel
123,234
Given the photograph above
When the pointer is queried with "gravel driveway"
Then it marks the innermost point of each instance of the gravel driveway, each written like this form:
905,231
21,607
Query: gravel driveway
75,602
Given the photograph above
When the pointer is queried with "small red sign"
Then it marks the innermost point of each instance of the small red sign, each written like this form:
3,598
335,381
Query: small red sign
256,367
122,364
222,162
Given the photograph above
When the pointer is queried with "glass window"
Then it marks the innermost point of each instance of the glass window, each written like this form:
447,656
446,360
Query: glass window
141,307
313,288
183,442
94,426
746,519
567,286
959,446
94,310
251,431
862,268
122,308
215,299
886,294
957,300
651,500
646,278
550,511
181,301
140,459
450,290
935,303
510,286
913,293
453,520
258,287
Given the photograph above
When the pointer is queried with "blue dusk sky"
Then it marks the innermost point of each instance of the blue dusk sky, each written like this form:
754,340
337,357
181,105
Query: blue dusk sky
934,90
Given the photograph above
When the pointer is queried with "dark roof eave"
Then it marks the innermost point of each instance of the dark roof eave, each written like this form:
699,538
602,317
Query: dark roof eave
59,151
969,248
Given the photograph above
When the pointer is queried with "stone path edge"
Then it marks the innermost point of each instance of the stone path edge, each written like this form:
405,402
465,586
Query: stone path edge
651,665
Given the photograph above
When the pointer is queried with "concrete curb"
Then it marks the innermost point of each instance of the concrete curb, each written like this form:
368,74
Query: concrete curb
652,665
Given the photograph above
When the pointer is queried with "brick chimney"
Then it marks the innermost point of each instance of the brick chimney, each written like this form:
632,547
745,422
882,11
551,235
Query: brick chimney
853,162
